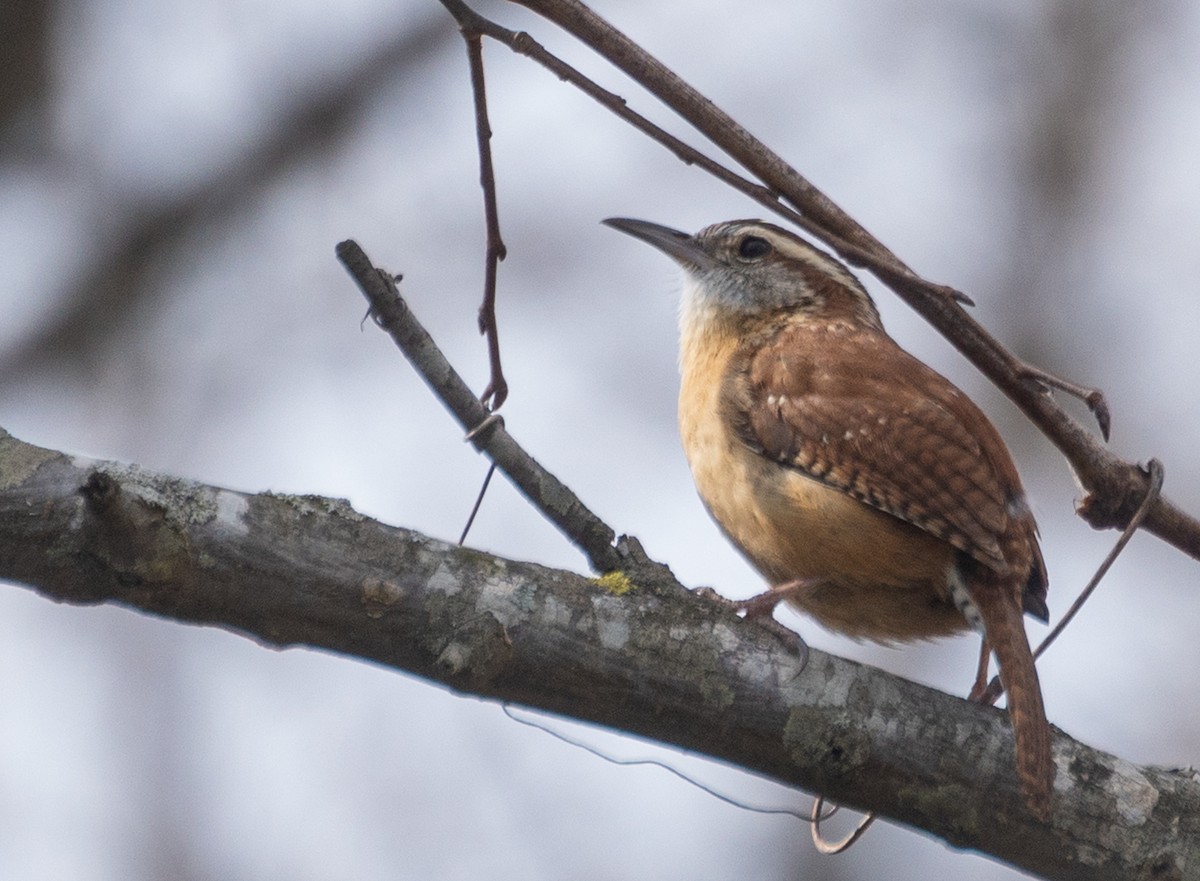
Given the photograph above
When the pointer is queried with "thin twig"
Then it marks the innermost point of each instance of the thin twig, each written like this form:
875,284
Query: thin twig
1157,473
524,44
823,844
1093,397
656,763
487,480
497,388
716,125
561,506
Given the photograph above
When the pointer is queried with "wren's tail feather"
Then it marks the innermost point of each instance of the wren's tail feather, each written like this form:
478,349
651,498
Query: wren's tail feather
1002,619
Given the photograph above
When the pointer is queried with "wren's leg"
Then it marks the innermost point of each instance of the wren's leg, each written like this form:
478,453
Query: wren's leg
763,605
985,690
761,608
979,689
758,609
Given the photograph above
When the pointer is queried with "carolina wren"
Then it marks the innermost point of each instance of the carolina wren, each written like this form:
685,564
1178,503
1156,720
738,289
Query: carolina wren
869,491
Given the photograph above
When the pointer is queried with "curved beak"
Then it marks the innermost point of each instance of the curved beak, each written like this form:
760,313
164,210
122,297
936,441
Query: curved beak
675,244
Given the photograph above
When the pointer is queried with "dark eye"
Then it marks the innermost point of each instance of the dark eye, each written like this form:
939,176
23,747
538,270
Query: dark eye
753,247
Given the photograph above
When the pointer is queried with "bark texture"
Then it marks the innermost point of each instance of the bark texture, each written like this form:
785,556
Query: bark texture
631,650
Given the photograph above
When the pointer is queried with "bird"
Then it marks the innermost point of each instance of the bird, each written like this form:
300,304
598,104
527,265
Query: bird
869,491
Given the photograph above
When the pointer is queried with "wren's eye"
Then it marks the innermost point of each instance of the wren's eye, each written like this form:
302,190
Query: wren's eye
753,247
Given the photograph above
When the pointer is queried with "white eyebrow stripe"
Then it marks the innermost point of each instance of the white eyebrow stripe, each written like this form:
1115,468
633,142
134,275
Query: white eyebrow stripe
795,248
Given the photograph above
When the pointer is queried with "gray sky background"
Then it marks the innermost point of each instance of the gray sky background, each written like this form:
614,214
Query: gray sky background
158,163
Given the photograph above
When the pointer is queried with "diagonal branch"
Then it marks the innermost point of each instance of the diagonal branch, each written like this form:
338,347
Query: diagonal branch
720,128
648,659
485,430
523,44
1115,487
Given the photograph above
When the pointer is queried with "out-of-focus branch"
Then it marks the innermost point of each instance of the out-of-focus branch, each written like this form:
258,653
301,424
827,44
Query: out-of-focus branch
26,45
112,289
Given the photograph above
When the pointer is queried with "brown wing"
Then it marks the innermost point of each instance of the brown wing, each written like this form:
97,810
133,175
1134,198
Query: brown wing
861,415
860,427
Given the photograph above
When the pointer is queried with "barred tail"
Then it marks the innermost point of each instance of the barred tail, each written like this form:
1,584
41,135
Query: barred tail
1002,621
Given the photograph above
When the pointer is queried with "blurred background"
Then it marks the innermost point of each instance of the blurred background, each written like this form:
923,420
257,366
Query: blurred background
173,179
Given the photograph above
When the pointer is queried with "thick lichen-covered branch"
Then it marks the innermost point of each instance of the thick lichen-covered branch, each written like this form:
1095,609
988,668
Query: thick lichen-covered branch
648,658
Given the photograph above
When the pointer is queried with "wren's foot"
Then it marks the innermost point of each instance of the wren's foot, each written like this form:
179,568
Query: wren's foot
712,596
758,609
761,608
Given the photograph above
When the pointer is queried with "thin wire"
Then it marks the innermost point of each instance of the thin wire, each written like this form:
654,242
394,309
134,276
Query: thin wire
994,689
488,421
1157,475
824,845
478,501
729,800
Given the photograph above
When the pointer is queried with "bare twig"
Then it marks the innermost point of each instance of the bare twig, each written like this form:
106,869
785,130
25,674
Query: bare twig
563,508
823,844
1093,397
1157,473
720,128
523,44
656,763
487,480
497,388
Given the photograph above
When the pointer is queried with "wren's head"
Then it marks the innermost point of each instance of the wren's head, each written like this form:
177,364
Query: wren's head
749,269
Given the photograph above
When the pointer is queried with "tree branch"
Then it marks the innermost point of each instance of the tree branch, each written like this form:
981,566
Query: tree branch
485,430
1115,487
650,659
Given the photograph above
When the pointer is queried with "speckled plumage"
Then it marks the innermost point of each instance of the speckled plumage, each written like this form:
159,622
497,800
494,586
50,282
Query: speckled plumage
848,407
835,460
